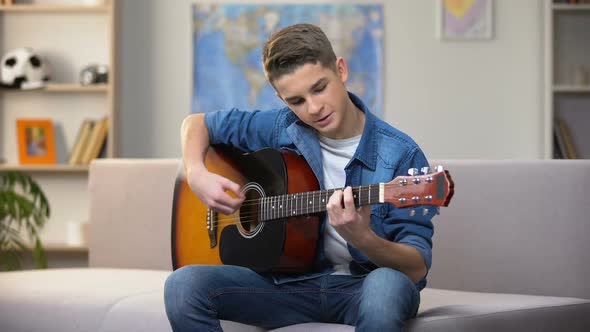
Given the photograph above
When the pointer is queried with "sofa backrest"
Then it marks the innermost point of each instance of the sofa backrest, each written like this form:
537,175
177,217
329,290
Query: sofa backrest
512,226
515,227
130,212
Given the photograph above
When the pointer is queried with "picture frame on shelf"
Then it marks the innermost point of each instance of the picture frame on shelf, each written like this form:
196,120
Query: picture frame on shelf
464,19
36,141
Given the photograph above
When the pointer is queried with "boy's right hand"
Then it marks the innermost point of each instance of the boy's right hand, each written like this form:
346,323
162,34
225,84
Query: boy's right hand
212,189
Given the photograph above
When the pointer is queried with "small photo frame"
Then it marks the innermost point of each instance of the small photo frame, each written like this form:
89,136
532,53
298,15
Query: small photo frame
36,141
464,19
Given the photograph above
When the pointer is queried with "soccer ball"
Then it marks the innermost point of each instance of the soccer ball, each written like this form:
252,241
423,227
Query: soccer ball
23,69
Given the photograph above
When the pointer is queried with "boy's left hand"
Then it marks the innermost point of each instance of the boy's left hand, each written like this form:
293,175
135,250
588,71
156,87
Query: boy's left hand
351,223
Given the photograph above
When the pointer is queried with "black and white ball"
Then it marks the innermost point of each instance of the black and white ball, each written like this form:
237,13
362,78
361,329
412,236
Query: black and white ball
23,69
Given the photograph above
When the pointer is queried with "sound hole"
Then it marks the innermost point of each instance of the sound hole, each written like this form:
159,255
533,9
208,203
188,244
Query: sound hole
249,215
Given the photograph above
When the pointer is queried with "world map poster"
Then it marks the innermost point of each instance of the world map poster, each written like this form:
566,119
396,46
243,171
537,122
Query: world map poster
228,41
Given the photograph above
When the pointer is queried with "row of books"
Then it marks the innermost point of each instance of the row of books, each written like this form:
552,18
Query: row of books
563,145
571,1
90,141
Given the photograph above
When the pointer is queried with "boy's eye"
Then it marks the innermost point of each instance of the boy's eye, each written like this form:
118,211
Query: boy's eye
321,88
297,102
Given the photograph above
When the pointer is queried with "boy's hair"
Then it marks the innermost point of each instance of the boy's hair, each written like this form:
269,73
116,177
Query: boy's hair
295,46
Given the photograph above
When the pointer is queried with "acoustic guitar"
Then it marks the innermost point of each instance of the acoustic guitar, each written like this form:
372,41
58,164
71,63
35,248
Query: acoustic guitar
277,226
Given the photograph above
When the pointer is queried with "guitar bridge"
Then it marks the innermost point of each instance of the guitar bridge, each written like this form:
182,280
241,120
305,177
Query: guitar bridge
212,227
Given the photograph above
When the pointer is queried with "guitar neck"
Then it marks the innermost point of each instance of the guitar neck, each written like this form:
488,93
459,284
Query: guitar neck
307,203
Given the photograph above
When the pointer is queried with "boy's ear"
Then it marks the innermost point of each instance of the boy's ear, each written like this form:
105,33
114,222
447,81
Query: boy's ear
342,69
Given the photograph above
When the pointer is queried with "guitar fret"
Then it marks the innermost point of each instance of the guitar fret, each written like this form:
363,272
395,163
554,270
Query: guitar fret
262,211
312,202
318,205
301,204
272,208
280,207
360,191
287,206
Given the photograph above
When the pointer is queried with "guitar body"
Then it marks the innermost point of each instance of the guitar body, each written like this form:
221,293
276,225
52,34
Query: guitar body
201,236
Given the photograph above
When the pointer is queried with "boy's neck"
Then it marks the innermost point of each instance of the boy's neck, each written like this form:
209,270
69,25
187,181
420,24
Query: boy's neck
354,122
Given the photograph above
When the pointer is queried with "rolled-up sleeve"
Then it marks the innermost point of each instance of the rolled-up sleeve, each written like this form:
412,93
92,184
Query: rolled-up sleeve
245,130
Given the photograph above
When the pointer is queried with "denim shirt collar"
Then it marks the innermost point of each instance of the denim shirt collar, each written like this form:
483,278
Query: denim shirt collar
366,152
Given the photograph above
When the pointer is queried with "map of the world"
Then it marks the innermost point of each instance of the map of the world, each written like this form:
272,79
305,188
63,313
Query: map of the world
228,40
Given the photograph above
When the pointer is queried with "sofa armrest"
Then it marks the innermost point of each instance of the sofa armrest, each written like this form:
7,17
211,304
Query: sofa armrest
515,226
130,212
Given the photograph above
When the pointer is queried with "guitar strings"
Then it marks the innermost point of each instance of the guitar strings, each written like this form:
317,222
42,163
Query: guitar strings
316,194
299,211
313,194
254,216
300,196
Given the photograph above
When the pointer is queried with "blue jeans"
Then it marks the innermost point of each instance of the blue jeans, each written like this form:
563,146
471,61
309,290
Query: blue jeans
198,296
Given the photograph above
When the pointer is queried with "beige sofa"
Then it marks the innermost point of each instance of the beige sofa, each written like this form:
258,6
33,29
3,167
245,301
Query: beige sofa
511,254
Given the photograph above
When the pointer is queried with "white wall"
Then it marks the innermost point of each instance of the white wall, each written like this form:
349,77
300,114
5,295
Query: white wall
479,99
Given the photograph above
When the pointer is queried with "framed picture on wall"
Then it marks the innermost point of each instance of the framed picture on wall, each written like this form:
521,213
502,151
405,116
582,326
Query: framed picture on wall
36,141
464,19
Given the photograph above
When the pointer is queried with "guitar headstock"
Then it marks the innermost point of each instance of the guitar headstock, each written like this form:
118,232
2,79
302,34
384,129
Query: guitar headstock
435,188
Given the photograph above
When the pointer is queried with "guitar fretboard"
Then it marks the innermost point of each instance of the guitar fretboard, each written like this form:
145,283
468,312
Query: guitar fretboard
307,203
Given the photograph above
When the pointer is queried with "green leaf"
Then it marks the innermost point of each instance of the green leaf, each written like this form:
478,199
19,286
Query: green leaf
22,204
39,257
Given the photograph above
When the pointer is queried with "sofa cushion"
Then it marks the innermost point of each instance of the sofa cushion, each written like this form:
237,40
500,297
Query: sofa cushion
108,300
76,299
446,310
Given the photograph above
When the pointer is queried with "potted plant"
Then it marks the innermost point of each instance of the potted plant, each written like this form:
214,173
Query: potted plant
24,209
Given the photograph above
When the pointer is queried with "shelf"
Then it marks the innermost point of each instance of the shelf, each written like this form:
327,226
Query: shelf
59,247
75,88
54,9
570,7
571,88
60,168
64,88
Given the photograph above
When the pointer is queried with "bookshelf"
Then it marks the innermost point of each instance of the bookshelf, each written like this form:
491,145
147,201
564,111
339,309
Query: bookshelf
69,35
567,86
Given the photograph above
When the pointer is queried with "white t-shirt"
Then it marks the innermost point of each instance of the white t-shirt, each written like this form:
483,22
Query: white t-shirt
336,153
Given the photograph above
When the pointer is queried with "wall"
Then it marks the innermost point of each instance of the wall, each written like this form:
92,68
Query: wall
478,99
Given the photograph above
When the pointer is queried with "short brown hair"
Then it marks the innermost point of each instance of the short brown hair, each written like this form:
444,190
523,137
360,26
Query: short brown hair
295,46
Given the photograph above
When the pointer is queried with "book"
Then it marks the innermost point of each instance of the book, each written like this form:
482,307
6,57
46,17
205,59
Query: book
558,152
96,140
564,139
80,142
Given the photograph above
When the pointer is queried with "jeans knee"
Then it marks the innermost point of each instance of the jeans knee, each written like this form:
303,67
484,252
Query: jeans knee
184,289
388,294
388,280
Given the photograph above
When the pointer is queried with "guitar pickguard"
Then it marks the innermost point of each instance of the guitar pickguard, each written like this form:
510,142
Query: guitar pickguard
250,244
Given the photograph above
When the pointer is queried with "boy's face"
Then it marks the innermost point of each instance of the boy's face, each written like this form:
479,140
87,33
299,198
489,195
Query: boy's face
318,96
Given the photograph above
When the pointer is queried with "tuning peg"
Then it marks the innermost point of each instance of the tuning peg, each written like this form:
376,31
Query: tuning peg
425,170
413,171
439,168
412,213
424,211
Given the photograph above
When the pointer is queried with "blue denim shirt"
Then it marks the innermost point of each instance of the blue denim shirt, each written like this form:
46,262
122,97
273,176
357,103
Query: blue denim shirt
383,153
